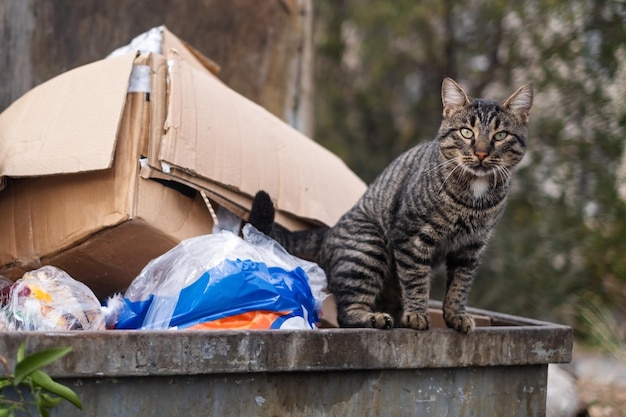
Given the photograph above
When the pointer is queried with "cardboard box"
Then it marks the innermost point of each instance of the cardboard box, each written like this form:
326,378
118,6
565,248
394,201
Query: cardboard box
101,174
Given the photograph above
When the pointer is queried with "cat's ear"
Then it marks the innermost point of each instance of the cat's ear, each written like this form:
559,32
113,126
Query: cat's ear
452,96
520,102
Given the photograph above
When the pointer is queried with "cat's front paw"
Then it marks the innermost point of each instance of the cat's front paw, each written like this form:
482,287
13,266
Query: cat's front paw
363,318
417,321
380,321
462,323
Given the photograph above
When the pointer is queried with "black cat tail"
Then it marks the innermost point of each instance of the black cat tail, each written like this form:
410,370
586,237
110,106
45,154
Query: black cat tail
262,213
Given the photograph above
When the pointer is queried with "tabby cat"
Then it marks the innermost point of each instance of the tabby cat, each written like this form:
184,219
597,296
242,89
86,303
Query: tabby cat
436,203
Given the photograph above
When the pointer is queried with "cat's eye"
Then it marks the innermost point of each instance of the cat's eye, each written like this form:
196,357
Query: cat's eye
500,135
466,133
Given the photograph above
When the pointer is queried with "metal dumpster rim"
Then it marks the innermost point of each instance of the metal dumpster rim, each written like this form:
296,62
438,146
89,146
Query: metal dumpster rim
512,341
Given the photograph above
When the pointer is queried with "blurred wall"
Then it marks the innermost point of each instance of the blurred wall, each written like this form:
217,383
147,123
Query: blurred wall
263,47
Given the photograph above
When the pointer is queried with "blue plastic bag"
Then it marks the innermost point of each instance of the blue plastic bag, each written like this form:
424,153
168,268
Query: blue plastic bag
203,283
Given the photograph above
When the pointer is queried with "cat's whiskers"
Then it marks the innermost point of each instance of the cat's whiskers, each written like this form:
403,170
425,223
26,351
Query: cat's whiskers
503,172
497,174
443,164
458,165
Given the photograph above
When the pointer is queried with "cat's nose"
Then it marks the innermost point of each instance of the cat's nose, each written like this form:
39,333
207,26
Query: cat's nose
481,155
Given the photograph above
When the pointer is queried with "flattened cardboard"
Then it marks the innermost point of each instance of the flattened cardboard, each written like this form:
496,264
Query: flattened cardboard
240,146
78,197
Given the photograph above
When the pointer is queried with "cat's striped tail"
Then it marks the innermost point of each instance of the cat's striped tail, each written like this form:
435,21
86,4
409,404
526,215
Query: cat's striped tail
262,213
305,244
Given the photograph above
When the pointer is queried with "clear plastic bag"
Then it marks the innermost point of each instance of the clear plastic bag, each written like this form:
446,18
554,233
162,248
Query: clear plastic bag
49,299
214,281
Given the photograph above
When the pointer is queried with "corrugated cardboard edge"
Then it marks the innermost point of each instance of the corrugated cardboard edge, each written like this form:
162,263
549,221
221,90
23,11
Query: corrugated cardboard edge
188,52
233,200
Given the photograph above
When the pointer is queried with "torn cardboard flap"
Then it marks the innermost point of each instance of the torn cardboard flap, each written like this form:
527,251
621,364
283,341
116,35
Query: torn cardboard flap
160,39
187,52
68,124
213,133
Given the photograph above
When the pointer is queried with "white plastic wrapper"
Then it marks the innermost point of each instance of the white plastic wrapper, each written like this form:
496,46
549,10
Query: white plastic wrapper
49,299
149,41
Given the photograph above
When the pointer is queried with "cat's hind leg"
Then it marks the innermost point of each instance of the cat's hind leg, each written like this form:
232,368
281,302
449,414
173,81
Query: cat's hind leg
413,257
357,295
357,277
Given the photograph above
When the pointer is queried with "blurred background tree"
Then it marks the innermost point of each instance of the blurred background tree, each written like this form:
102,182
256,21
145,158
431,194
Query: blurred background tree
379,68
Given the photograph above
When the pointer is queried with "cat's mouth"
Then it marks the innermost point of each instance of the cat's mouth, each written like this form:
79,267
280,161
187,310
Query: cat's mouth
478,169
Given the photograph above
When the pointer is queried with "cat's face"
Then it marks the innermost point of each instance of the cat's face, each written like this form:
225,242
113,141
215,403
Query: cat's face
483,137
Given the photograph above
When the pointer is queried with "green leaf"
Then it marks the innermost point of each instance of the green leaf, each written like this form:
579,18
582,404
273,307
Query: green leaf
38,360
20,351
43,411
4,412
3,384
41,379
48,401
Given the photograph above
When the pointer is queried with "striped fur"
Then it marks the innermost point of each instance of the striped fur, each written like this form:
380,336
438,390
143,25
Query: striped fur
436,203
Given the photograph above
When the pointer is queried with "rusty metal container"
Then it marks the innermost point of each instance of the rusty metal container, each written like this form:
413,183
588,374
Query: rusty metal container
499,370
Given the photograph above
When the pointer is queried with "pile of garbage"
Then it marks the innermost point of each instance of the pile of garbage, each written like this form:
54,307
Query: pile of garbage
216,281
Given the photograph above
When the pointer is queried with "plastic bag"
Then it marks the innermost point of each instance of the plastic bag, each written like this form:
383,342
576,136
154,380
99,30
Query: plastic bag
49,299
221,281
4,282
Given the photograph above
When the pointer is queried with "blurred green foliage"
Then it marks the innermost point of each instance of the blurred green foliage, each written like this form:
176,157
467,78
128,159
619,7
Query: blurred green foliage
378,77
28,379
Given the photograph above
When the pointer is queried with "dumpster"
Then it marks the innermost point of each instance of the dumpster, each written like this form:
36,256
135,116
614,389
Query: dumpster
499,370
140,156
